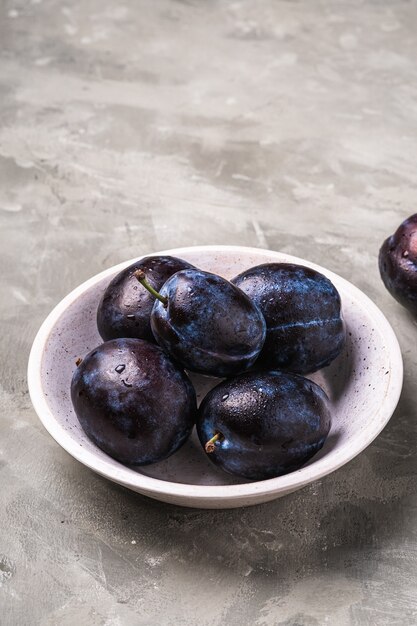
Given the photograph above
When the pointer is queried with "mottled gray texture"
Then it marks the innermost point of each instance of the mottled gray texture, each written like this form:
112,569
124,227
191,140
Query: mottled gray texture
126,128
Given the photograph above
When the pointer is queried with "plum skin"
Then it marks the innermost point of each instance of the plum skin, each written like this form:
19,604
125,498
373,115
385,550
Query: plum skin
302,310
271,423
133,402
398,264
125,306
208,325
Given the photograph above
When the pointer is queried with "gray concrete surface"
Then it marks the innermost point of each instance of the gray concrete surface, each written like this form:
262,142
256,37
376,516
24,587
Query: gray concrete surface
130,127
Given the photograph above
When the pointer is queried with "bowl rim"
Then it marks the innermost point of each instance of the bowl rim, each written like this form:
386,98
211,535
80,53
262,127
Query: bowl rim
154,487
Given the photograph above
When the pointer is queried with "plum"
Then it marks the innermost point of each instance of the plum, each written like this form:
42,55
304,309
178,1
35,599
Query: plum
133,402
263,424
206,323
398,264
124,309
302,310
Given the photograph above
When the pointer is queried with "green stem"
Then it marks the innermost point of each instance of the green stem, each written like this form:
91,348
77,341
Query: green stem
209,447
140,275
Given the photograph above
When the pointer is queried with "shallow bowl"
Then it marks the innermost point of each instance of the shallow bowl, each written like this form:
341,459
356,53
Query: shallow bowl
363,384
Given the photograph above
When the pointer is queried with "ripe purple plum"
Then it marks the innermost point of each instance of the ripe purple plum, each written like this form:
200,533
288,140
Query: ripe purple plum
302,310
133,402
398,264
263,424
125,308
207,324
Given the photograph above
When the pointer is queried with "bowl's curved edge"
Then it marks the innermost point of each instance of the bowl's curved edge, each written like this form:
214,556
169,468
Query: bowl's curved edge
198,495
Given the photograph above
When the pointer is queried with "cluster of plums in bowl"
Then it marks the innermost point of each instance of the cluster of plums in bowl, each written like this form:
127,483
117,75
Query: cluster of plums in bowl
259,334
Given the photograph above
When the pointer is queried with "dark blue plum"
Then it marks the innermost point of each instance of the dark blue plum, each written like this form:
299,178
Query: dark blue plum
125,308
398,264
133,402
301,307
266,423
208,325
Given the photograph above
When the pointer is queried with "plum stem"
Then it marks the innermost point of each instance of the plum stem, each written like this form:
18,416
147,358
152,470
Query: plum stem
209,447
141,277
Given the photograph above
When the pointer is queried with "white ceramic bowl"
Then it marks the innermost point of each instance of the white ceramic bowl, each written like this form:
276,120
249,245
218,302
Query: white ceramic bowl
363,383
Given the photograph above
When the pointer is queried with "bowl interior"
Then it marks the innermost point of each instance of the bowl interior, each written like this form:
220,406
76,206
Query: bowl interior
357,382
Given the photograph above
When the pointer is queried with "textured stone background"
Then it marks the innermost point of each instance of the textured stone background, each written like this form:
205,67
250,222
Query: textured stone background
132,127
